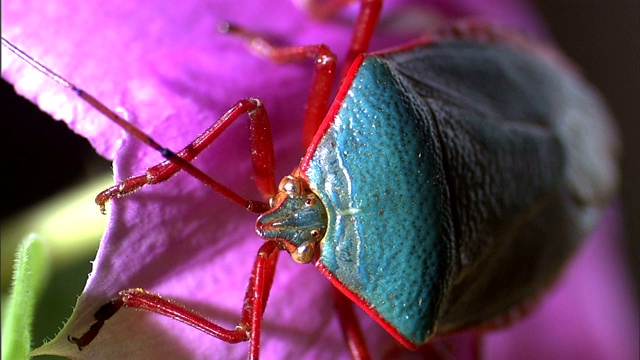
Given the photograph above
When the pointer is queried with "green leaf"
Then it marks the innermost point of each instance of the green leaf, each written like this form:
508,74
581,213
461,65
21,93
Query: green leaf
29,277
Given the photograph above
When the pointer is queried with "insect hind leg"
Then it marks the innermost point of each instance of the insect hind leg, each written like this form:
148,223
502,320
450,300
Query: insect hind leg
350,327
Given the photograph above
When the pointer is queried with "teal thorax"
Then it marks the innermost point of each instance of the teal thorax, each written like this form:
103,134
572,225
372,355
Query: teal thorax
376,173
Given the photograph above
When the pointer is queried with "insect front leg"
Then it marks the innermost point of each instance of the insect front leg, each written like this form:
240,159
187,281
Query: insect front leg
261,146
261,155
248,327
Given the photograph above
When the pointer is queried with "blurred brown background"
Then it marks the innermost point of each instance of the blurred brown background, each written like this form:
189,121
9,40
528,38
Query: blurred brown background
604,38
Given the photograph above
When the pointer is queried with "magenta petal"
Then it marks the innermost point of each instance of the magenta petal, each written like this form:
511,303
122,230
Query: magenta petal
171,72
589,314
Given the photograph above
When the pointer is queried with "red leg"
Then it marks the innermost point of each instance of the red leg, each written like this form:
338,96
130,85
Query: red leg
322,83
477,346
261,156
325,9
456,346
350,327
248,327
261,146
325,60
363,29
365,25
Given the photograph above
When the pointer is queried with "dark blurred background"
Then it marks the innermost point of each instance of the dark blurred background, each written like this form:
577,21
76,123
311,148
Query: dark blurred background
603,37
42,157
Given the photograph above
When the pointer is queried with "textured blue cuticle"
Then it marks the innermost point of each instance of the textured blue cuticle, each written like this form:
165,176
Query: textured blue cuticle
377,170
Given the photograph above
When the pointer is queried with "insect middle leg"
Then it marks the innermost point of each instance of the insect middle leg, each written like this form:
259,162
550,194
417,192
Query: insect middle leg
324,75
325,60
363,29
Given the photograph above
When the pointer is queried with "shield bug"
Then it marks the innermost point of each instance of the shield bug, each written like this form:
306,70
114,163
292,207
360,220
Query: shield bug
444,188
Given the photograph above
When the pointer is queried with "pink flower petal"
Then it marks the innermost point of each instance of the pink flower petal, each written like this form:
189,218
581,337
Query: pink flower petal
589,314
173,74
